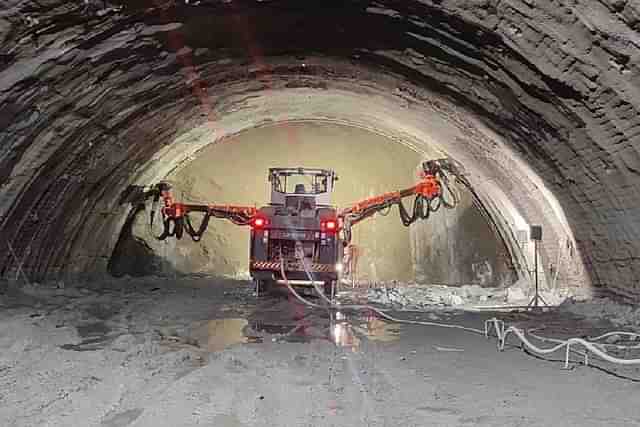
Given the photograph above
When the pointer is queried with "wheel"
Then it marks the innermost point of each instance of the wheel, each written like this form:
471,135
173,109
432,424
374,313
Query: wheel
330,289
264,286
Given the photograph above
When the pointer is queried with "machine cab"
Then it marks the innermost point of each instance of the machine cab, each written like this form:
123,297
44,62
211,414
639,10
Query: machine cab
301,190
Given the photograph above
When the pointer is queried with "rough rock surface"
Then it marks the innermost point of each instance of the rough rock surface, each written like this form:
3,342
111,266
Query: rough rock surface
91,91
418,297
412,296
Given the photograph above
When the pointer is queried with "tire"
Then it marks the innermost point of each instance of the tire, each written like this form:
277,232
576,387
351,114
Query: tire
264,286
329,288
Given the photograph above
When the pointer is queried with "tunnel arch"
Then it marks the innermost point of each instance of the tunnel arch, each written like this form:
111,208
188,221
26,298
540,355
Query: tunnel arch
421,128
234,171
89,95
506,210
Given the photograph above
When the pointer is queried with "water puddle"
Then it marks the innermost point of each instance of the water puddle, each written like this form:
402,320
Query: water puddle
292,326
343,335
349,333
338,328
379,330
218,334
293,331
285,322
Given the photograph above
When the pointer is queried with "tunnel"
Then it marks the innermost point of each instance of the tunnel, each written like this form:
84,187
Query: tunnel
388,249
99,98
537,101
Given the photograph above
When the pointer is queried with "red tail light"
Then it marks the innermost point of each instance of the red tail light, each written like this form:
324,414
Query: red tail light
329,225
259,222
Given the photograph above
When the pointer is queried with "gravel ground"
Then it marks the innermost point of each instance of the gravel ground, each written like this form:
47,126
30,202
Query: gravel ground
198,351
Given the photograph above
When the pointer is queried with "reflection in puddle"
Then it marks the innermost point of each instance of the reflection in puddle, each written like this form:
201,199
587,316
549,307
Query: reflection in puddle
301,331
342,335
379,330
290,322
346,334
342,330
217,334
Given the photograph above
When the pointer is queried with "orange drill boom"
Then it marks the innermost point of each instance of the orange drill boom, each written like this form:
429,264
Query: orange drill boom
428,198
429,188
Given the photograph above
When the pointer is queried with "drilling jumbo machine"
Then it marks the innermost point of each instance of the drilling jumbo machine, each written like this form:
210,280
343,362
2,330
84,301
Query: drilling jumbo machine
300,236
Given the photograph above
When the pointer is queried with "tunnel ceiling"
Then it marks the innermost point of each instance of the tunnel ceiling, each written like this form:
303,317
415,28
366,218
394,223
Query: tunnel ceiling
90,91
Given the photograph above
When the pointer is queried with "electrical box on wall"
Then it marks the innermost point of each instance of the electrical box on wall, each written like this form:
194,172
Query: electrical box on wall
535,232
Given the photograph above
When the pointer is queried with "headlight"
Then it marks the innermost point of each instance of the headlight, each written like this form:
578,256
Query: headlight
338,267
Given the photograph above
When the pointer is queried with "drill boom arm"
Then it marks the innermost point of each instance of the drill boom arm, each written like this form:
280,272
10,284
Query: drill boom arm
172,209
178,214
429,188
428,192
178,210
429,197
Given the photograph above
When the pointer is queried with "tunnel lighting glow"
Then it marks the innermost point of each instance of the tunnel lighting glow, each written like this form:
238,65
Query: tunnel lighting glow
338,267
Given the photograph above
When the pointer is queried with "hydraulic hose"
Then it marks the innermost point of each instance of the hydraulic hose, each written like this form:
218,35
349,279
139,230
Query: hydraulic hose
177,230
498,325
196,236
184,224
422,206
332,306
444,179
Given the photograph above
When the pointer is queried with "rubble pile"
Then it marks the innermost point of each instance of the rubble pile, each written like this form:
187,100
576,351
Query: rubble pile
414,296
419,296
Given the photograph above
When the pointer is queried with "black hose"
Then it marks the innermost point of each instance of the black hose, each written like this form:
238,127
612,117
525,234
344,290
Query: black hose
177,230
456,199
435,204
418,212
346,231
196,236
386,212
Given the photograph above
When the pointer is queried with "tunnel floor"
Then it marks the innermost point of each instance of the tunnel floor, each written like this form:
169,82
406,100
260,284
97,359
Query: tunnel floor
191,351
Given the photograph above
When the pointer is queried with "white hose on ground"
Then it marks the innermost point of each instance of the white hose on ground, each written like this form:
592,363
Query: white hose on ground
634,336
594,348
382,314
602,346
293,291
502,334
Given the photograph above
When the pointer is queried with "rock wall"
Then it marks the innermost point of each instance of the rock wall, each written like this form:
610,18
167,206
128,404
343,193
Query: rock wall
457,247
